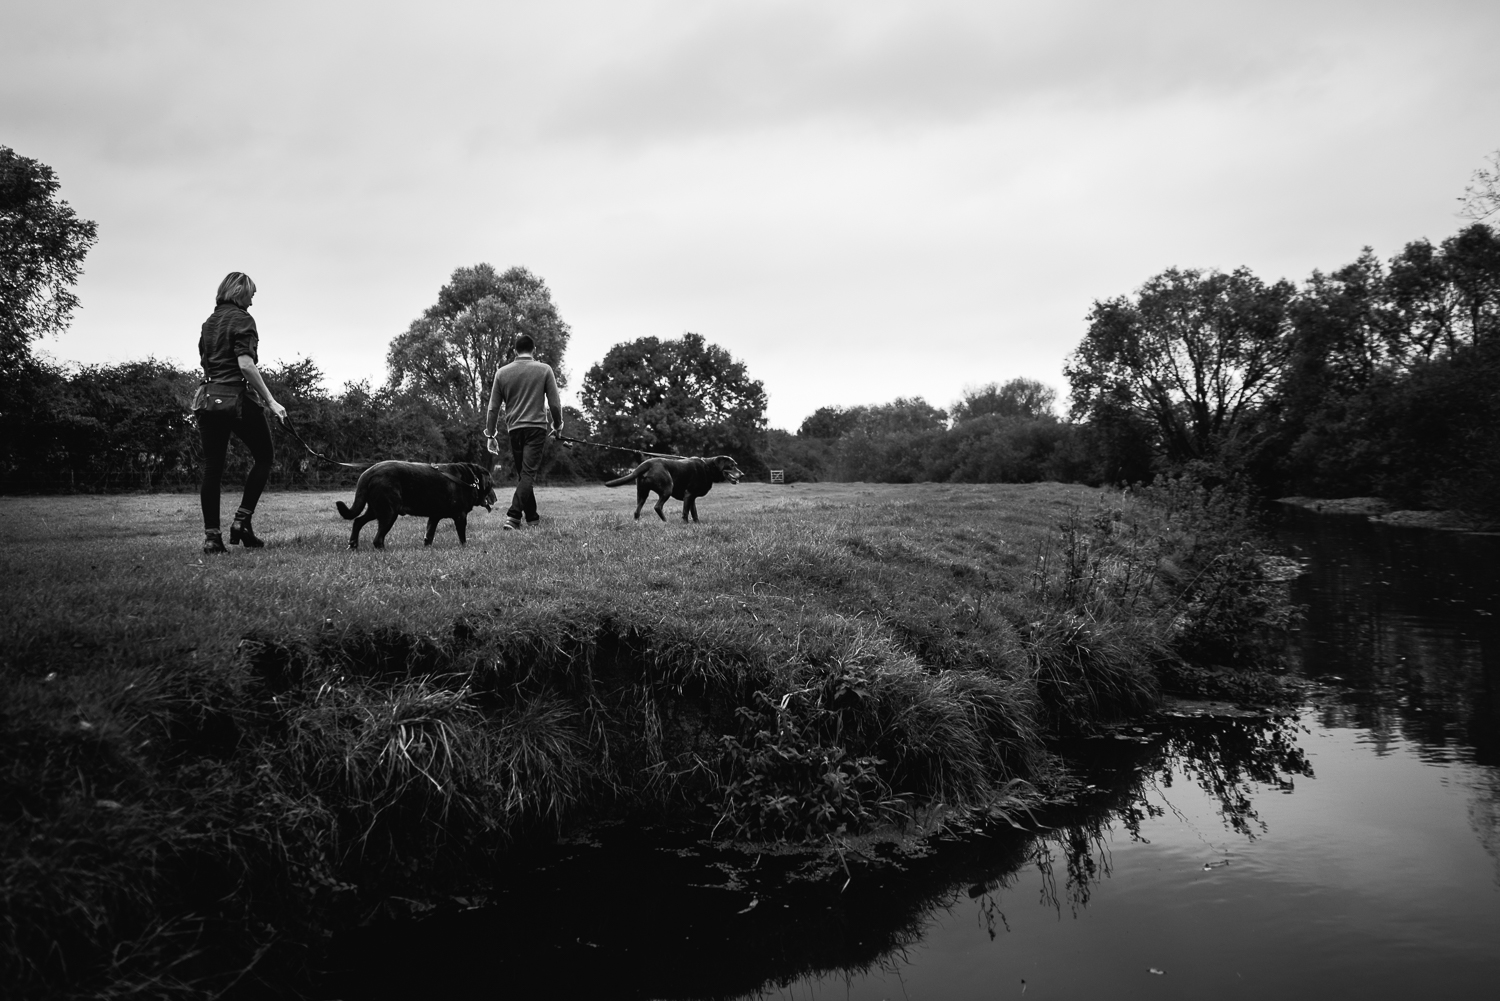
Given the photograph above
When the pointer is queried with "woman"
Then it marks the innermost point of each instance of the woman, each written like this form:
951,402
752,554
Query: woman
228,350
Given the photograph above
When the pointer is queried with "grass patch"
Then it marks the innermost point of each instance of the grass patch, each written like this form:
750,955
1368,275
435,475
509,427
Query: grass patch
210,761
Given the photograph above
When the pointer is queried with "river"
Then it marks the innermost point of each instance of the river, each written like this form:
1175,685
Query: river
1349,847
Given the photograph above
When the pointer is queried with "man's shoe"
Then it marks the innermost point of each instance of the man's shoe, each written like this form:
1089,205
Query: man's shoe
241,534
213,543
512,524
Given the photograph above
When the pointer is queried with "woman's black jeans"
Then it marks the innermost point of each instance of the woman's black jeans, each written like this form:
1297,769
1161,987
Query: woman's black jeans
251,428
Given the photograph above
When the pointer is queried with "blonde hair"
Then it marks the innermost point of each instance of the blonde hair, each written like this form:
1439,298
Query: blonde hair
236,288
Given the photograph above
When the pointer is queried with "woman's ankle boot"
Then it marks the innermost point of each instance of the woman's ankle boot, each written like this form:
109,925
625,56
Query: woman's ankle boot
213,542
241,534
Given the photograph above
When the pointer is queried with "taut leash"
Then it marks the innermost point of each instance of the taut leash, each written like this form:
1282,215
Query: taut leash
286,422
570,441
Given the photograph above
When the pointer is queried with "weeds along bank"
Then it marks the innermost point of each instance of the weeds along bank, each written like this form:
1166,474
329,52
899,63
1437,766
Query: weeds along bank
208,765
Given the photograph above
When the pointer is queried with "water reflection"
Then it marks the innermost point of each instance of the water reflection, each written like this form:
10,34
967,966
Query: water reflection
1407,623
654,915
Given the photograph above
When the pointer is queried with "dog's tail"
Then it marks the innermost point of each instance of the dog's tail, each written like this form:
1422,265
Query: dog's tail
350,513
628,477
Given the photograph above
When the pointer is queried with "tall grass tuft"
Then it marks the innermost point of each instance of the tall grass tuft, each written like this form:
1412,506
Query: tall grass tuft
859,731
1101,619
540,762
408,764
1091,667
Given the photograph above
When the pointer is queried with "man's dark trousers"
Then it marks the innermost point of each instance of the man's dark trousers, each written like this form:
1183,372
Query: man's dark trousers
526,449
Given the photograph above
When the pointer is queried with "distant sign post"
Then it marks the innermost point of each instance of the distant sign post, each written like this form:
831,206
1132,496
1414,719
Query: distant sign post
778,476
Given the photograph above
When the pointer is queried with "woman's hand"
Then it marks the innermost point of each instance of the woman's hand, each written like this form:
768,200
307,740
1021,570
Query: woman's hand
253,377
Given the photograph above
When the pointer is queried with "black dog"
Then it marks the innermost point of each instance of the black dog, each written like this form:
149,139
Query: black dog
681,479
391,488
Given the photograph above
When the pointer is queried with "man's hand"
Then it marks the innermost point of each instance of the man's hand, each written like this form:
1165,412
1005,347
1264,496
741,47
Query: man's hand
493,445
278,410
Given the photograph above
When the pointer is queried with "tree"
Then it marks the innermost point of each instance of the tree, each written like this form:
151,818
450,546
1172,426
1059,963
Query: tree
1481,199
903,415
1472,260
1390,377
1195,355
1444,297
685,396
829,423
42,247
450,354
1017,398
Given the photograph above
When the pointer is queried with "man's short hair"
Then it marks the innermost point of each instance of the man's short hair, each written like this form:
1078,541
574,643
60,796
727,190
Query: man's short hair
524,343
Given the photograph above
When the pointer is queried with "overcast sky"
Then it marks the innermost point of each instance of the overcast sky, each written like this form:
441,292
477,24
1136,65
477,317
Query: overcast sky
859,199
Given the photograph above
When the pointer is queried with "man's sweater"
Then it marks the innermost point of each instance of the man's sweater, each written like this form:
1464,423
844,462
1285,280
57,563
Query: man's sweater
527,389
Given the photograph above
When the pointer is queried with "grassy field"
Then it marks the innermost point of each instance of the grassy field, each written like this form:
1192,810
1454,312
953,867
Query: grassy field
212,757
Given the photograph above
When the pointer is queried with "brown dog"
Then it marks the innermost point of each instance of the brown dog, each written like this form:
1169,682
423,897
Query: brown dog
434,491
681,479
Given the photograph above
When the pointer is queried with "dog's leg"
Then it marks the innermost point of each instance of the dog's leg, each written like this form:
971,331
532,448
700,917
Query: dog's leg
431,530
387,521
690,507
359,523
461,526
642,491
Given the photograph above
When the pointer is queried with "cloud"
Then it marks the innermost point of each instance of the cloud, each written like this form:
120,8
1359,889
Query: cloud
723,67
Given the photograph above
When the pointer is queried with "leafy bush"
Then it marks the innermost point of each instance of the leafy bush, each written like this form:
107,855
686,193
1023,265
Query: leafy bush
782,783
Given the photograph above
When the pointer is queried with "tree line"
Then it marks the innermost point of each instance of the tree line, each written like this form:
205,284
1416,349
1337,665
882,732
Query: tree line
995,433
1374,379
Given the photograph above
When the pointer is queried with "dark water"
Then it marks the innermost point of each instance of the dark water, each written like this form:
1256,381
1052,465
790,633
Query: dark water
1350,848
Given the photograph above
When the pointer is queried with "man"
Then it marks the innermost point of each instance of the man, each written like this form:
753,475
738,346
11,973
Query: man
527,389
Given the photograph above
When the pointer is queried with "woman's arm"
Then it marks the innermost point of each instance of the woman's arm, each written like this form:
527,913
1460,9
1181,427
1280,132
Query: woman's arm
252,376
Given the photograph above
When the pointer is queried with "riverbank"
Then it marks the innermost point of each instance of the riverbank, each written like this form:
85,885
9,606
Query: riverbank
1383,511
215,762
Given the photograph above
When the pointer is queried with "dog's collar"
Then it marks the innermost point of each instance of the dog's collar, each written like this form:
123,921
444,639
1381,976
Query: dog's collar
476,484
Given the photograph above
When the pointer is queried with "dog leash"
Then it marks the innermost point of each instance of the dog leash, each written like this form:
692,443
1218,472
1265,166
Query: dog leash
286,422
569,441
